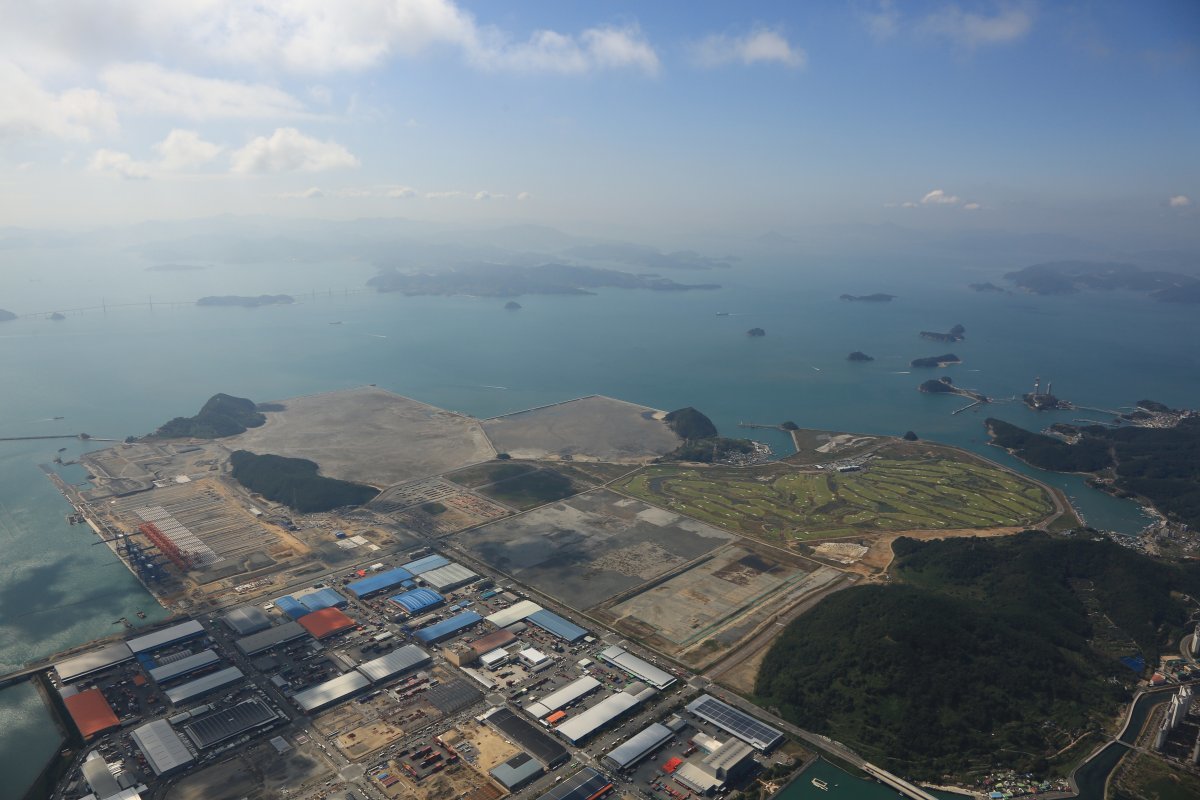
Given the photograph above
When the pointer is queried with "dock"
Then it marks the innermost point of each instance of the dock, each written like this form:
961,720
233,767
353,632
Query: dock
81,436
762,426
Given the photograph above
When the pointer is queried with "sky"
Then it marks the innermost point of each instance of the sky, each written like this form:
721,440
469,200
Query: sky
1077,118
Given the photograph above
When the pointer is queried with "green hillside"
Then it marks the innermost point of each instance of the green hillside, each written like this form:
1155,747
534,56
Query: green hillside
295,483
222,415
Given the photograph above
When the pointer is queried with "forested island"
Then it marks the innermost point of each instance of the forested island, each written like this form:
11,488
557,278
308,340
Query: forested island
944,360
955,334
858,355
756,332
295,482
5,316
1071,277
505,280
980,652
512,305
701,440
241,301
1159,464
944,385
987,286
879,297
223,415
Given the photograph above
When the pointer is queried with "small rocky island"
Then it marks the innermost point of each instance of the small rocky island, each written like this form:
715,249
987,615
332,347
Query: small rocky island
955,334
879,297
756,332
247,302
5,316
512,305
944,360
859,355
944,385
987,286
58,316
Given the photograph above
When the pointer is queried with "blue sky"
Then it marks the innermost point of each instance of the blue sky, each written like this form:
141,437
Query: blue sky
1079,118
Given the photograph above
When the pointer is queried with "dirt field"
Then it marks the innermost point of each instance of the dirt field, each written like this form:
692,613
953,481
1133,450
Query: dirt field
590,428
491,749
257,774
381,438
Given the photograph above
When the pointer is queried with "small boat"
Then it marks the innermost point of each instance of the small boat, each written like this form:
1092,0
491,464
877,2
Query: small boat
62,449
60,417
820,784
141,615
722,313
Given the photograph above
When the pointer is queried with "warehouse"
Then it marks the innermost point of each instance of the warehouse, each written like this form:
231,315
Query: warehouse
484,644
494,659
638,746
610,708
159,639
728,760
91,713
245,620
291,606
80,666
426,564
587,784
526,736
184,666
732,720
417,601
394,663
331,691
326,622
573,691
271,637
316,599
380,582
518,772
99,777
534,660
639,668
446,628
202,686
220,726
552,623
450,577
514,613
165,752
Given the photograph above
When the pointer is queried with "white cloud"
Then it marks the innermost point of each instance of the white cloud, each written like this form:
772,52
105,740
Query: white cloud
525,196
969,29
972,206
486,195
151,89
321,94
909,204
884,22
401,192
28,110
288,150
450,195
117,163
311,193
1179,201
184,150
550,51
939,198
759,46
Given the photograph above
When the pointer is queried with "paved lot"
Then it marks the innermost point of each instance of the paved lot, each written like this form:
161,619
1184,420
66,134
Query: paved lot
591,428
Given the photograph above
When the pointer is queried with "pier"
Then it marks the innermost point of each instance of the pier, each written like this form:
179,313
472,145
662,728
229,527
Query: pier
968,407
761,426
81,436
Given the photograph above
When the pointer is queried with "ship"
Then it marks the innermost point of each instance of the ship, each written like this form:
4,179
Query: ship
820,784
722,313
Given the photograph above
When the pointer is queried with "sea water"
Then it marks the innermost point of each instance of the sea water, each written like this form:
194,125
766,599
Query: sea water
125,370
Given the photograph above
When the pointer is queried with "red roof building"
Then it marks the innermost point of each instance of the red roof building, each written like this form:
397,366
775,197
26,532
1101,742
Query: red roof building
326,622
91,713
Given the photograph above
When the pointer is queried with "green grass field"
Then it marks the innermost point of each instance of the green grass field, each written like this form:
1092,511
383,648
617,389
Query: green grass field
909,492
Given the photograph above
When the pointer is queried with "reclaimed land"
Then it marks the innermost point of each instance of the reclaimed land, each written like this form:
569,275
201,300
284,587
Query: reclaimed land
902,488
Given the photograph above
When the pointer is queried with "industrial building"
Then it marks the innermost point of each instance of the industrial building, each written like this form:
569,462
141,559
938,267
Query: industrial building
326,622
160,639
587,784
494,659
518,772
559,626
638,746
446,628
526,736
417,601
426,564
271,637
610,708
301,603
379,582
450,577
90,712
245,620
202,686
572,692
534,659
98,776
465,655
331,691
224,724
184,666
731,720
639,668
165,752
84,664
394,663
517,612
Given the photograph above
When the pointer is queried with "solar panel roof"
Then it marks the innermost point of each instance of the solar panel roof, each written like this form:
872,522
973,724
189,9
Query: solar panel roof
735,721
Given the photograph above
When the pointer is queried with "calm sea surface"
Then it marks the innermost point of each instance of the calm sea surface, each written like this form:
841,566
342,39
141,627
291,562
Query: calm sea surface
125,371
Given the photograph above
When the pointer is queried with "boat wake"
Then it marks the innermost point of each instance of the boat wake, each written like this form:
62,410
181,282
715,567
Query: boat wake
905,372
377,335
504,388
